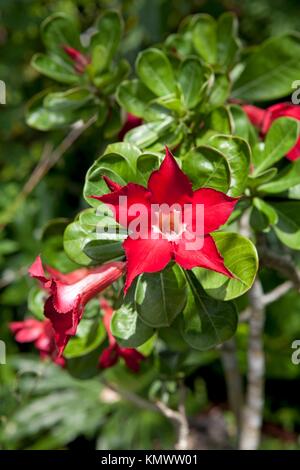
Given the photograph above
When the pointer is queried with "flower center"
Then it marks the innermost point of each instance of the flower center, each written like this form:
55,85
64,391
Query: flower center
169,224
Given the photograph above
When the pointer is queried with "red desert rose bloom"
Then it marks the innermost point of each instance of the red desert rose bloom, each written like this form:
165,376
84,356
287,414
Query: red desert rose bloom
41,334
114,352
70,292
79,59
130,123
263,119
169,185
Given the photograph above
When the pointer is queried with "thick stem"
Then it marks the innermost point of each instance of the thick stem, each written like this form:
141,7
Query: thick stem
253,410
233,380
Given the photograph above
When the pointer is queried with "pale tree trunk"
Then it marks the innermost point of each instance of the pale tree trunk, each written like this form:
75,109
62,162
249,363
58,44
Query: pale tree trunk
233,379
253,409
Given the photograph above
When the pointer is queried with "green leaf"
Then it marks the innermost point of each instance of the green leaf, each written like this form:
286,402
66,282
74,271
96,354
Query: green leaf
155,135
120,162
90,334
68,100
192,81
105,42
155,71
219,120
267,175
205,38
94,236
286,179
241,124
240,257
128,327
270,70
207,167
101,251
44,120
135,98
218,94
75,239
227,41
288,226
59,30
237,154
54,67
160,297
218,319
266,209
36,301
280,138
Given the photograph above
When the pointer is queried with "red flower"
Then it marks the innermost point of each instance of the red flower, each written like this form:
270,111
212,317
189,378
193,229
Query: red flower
113,352
70,292
167,237
130,123
263,119
41,334
79,59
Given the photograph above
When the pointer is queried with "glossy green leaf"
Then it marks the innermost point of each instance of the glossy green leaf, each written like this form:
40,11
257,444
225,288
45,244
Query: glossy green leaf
192,81
240,257
59,30
160,297
218,319
288,226
90,334
264,177
227,41
281,137
36,301
266,209
128,328
205,38
270,70
286,179
147,136
207,167
68,100
155,71
54,67
218,94
105,41
120,162
237,153
135,98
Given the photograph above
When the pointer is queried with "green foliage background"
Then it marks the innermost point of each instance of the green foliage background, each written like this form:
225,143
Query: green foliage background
44,400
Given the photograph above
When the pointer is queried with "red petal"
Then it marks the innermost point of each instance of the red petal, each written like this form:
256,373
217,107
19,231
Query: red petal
68,278
135,194
111,184
130,123
64,324
109,356
207,257
108,313
217,207
27,331
65,296
132,358
169,184
284,109
36,271
294,153
145,256
255,114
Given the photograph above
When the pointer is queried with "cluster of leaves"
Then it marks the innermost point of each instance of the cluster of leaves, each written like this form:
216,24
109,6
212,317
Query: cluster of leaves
93,81
186,93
